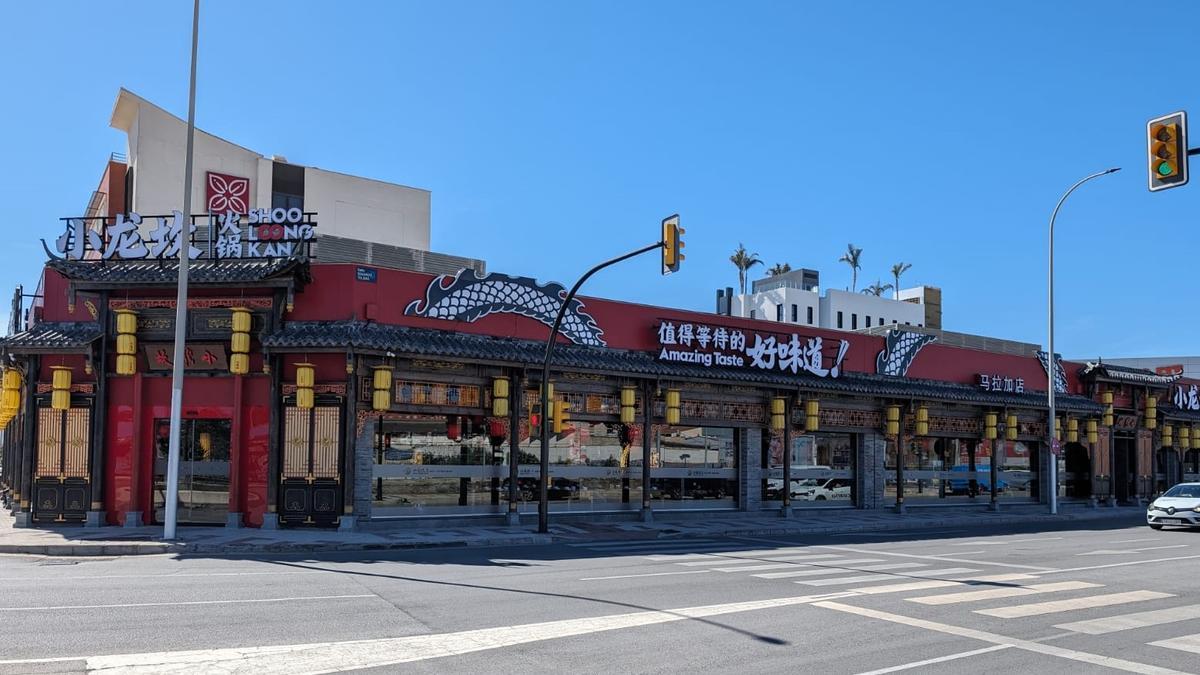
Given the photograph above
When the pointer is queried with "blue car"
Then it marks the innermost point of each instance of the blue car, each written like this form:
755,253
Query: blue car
983,482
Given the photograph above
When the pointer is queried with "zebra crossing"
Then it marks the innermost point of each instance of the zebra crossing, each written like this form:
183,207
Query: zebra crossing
1007,596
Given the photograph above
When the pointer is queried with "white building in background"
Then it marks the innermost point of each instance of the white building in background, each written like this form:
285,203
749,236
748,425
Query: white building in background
795,298
1165,365
359,219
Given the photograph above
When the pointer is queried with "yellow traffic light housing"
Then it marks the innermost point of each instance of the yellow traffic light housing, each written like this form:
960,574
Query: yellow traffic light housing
672,244
561,417
1167,149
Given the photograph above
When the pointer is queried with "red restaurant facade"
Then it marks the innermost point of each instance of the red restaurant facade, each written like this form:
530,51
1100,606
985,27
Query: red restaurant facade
373,394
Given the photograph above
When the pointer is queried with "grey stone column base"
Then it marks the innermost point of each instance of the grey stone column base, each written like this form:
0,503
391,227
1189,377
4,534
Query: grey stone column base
993,506
900,508
513,519
94,519
347,523
233,520
23,519
786,512
133,519
270,521
647,515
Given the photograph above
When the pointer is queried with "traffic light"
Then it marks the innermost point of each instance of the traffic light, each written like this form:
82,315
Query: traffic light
560,417
1167,149
672,244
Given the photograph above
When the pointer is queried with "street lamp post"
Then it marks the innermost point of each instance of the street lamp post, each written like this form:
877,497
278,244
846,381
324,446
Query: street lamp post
1051,363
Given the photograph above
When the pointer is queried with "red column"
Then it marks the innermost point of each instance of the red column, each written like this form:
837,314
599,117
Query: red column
135,454
236,453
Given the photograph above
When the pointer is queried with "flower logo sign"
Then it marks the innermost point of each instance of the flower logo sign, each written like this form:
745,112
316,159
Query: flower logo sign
227,193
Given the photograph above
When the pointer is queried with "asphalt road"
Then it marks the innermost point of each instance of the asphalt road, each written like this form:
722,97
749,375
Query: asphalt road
1110,598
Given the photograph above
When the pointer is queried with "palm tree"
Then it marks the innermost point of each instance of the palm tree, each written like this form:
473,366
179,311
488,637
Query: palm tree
743,261
851,257
779,268
898,269
877,289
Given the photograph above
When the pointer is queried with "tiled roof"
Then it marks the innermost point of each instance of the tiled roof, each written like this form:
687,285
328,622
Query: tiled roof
1127,374
167,271
53,336
448,344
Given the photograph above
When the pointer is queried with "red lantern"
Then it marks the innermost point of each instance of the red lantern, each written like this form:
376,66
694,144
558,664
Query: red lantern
496,428
453,430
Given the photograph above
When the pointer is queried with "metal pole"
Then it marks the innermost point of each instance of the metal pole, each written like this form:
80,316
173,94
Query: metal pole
1051,363
544,473
185,246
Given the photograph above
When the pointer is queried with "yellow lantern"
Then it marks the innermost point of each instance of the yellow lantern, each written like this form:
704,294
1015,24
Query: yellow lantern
126,341
672,407
1195,439
1168,434
922,426
1092,435
778,413
1011,427
892,428
1058,428
1185,436
60,397
305,379
239,342
381,385
989,426
1151,420
812,415
628,404
1072,430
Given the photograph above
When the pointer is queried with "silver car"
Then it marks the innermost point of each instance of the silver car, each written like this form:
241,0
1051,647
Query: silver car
1178,506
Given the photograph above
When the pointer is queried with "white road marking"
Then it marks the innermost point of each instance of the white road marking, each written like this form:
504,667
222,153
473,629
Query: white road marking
179,575
324,657
1121,622
996,593
905,587
1005,542
940,659
1127,551
1133,541
1088,602
939,558
651,574
837,581
729,559
303,598
642,542
1120,564
833,570
994,638
835,565
1184,643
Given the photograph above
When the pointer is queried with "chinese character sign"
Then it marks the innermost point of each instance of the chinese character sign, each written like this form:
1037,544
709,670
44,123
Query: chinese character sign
259,233
1001,383
1186,397
709,346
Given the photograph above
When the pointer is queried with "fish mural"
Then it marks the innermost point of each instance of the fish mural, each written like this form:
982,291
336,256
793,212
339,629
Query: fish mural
468,297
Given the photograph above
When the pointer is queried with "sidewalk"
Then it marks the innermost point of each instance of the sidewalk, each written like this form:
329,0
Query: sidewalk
116,541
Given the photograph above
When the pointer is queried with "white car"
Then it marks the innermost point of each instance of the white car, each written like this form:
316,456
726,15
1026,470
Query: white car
1178,506
829,488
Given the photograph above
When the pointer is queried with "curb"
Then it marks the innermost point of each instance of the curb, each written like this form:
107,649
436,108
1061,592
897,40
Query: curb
184,548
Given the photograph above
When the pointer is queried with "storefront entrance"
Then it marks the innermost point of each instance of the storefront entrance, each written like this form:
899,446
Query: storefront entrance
1124,467
1168,470
203,470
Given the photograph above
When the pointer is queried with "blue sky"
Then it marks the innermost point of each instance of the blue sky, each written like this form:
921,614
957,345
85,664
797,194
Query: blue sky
556,134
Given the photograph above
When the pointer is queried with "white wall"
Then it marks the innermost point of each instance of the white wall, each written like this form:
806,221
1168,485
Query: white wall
763,304
368,210
882,310
346,206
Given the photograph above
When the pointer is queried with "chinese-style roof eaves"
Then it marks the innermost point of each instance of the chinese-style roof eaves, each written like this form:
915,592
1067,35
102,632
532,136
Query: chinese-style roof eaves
99,274
1125,374
51,336
372,337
